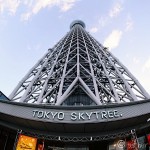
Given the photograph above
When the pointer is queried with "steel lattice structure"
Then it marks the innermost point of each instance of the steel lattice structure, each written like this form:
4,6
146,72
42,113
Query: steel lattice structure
78,70
78,138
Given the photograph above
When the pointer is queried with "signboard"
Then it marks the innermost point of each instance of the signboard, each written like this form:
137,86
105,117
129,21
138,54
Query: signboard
96,114
26,142
76,115
132,145
148,139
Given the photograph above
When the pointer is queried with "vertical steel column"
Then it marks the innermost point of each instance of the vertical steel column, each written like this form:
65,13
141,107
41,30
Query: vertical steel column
133,78
92,72
105,71
45,84
64,71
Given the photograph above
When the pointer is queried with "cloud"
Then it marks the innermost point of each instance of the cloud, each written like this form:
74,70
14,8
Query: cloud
9,6
103,21
136,60
145,74
147,65
94,30
144,79
112,41
26,16
38,5
67,4
33,6
107,18
129,24
115,11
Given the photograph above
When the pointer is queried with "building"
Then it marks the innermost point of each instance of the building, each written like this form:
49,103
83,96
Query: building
77,97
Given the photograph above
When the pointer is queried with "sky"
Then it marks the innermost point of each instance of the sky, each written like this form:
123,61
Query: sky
28,28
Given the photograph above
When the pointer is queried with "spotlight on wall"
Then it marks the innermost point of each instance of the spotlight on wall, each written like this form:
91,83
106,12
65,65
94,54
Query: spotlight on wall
59,138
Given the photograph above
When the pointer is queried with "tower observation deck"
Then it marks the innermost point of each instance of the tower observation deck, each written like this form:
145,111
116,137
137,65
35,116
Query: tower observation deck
78,70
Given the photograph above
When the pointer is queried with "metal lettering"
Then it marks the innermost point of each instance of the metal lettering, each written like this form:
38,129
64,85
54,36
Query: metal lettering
81,116
116,114
110,114
35,112
76,115
104,114
89,115
96,113
61,115
46,114
73,116
54,114
40,114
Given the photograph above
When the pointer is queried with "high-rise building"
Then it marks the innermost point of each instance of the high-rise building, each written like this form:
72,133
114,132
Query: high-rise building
78,96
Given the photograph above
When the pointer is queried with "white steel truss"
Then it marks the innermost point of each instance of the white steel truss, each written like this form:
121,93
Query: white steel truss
78,65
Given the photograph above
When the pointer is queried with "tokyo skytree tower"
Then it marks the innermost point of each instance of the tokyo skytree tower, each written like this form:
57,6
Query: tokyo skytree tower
78,71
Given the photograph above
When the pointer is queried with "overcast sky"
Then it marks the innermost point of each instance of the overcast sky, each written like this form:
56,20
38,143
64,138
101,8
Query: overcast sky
29,27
